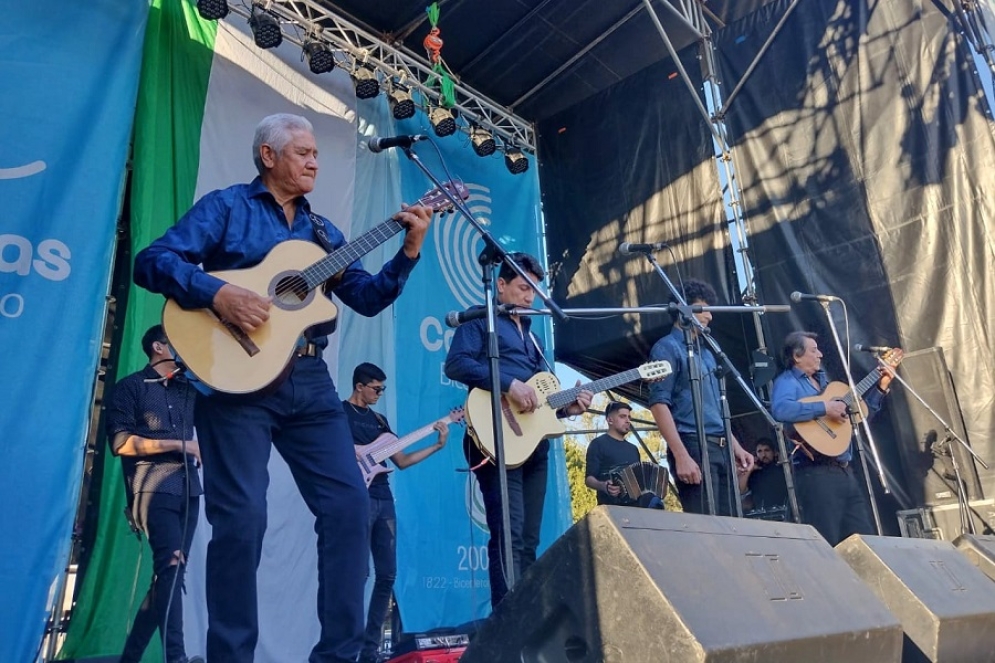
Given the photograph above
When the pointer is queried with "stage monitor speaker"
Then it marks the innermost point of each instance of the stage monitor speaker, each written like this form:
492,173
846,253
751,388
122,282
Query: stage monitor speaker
979,550
946,605
628,585
925,453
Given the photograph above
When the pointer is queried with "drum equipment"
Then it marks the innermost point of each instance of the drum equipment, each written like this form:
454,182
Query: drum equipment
643,484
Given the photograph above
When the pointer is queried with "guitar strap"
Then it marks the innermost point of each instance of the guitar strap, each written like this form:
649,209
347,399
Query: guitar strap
538,347
320,231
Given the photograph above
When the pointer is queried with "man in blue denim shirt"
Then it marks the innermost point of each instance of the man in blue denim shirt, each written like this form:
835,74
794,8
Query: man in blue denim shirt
521,357
303,418
829,495
672,407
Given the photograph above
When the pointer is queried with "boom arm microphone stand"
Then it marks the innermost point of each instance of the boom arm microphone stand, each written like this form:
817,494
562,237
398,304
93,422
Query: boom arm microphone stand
863,424
966,522
492,256
730,369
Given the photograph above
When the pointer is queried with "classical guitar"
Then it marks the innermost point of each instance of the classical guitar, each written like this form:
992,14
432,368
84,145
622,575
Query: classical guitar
524,430
369,456
225,357
830,437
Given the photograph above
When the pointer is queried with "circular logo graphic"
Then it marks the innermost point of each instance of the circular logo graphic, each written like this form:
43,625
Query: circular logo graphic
475,502
458,244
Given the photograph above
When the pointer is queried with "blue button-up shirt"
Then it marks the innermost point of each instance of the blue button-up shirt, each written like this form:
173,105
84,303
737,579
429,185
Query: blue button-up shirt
791,386
675,390
520,359
236,228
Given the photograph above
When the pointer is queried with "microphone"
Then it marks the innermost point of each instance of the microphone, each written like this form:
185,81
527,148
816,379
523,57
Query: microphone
378,144
799,296
629,249
877,349
456,318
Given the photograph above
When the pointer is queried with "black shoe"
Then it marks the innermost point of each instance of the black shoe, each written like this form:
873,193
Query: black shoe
192,659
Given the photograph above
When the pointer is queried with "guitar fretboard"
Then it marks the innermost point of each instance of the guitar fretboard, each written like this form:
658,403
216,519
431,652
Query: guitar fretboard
863,386
568,396
400,443
344,256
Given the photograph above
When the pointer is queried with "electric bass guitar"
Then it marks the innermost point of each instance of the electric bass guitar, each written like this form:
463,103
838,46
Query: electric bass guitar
369,456
830,437
225,357
522,431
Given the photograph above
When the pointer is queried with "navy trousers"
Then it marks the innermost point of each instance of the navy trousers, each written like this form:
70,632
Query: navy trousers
833,501
304,420
526,498
693,496
383,547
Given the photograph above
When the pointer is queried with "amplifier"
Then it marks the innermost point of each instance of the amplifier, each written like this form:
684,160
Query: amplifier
411,642
443,655
944,522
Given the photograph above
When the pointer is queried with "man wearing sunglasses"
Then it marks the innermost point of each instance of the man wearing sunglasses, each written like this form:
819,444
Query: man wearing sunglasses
367,425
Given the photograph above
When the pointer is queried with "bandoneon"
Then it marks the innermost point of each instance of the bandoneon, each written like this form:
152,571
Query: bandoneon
640,483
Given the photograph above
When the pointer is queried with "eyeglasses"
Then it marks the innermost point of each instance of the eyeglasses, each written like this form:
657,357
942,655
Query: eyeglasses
377,390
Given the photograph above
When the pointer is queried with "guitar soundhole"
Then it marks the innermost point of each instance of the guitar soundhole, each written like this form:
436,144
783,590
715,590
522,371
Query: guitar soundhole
290,291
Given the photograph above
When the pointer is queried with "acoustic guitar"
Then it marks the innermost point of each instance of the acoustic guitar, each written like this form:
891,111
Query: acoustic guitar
830,437
369,456
522,431
225,357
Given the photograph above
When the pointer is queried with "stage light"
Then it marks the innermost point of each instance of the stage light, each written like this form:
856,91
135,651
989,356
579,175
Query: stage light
401,105
367,85
212,10
319,57
482,141
265,28
516,162
443,121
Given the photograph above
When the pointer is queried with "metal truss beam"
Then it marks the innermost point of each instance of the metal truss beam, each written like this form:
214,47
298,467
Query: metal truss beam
307,20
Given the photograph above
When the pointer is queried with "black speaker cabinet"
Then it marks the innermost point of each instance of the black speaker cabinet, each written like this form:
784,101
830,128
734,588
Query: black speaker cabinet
946,605
628,585
979,550
927,457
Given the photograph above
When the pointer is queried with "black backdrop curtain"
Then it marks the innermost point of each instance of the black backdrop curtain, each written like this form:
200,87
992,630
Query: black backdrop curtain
865,153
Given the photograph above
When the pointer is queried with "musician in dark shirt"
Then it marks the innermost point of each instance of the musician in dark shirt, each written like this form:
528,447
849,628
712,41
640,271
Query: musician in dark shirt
367,425
149,421
609,451
764,485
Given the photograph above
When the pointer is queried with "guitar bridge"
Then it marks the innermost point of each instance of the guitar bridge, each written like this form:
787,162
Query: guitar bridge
244,340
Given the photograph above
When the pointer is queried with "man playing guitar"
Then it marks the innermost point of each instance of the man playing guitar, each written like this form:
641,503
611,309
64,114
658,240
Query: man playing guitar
829,494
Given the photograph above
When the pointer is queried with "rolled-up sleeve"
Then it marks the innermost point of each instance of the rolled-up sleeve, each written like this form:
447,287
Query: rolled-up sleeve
663,390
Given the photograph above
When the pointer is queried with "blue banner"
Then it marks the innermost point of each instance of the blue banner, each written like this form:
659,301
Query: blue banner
441,531
70,76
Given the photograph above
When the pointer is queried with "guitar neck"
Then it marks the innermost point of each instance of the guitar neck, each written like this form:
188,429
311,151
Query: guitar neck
401,443
568,396
863,386
344,256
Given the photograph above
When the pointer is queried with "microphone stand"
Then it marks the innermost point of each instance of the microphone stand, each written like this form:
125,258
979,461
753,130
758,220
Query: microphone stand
963,506
737,376
862,425
729,367
493,255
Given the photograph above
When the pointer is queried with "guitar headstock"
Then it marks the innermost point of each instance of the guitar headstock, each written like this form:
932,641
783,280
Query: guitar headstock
456,415
892,357
438,201
655,370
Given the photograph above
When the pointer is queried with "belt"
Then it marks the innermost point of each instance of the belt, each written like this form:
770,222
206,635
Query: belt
309,350
719,440
832,462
